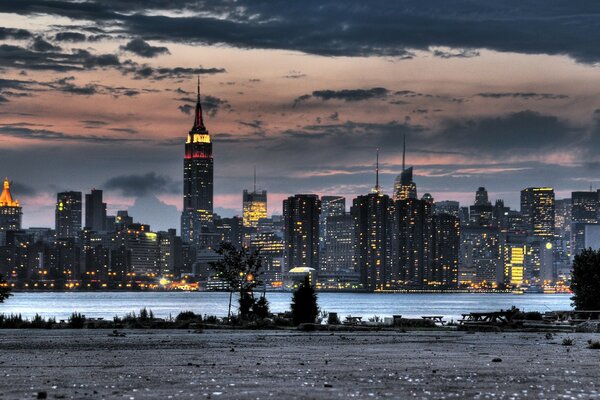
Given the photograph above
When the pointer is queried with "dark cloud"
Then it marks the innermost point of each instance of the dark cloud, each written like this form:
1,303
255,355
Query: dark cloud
186,108
458,53
295,75
349,28
43,46
143,49
524,95
210,104
345,94
21,132
70,37
160,73
141,185
12,33
21,189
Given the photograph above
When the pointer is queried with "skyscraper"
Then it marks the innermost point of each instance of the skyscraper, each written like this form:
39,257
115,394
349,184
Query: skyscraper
68,214
412,246
404,187
95,211
446,251
371,214
584,211
537,207
197,178
330,206
301,231
254,207
10,210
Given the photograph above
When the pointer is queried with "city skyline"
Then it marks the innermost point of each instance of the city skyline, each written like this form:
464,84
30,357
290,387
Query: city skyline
308,113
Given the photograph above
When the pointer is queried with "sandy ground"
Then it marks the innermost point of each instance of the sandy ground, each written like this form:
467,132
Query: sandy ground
274,364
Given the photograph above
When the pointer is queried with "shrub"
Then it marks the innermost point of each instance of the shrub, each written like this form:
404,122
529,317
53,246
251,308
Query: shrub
593,344
188,316
261,308
568,342
76,321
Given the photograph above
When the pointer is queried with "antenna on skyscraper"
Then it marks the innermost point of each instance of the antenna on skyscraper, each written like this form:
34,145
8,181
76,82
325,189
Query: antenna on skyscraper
377,169
404,154
255,179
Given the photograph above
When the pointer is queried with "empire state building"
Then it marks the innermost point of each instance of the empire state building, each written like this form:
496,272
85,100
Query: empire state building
197,179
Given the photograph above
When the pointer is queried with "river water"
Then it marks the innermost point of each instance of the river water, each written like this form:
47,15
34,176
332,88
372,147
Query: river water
164,304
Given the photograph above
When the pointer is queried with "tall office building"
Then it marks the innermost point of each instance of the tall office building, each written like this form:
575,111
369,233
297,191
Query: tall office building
537,208
68,214
446,250
254,207
372,218
10,211
404,187
338,251
330,206
412,242
447,207
482,212
95,211
481,197
197,178
301,231
563,244
584,211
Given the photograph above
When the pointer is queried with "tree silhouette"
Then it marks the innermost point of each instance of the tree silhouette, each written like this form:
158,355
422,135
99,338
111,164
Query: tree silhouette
241,270
4,289
585,280
304,303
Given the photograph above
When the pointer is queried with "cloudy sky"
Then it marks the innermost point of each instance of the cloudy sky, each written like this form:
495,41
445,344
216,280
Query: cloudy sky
100,94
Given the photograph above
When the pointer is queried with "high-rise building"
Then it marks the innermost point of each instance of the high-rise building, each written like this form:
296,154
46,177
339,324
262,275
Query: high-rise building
330,206
481,197
68,214
169,246
338,250
404,187
144,247
10,211
482,212
95,211
412,242
537,207
449,207
301,231
584,211
197,178
563,238
254,207
444,272
372,216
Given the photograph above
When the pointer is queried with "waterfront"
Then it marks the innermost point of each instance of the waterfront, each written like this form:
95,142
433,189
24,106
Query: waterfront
164,304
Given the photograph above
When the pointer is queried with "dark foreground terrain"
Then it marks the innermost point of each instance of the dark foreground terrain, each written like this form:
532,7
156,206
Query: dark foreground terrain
257,364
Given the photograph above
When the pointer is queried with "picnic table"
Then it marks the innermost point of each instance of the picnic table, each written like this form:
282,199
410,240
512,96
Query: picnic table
488,318
438,319
350,320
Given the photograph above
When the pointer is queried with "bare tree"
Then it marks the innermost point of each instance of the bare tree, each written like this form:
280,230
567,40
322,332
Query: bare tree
240,268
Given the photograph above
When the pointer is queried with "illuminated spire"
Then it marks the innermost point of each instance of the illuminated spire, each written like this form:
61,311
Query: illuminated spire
198,133
198,120
6,199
